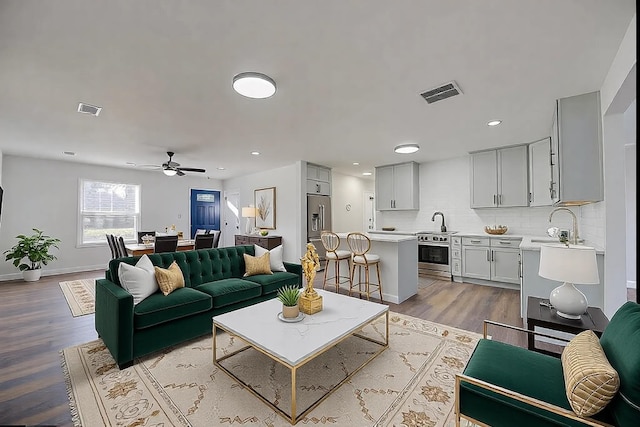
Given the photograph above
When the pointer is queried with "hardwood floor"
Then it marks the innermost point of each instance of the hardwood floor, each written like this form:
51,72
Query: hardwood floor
37,324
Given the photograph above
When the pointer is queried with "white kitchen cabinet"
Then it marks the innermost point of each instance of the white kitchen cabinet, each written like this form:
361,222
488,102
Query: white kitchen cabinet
576,151
540,173
493,259
498,178
318,180
398,187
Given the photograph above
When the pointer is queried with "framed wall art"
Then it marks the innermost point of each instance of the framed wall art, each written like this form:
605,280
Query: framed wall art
265,202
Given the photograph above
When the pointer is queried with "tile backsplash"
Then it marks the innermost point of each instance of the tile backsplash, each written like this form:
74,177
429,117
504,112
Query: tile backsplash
444,187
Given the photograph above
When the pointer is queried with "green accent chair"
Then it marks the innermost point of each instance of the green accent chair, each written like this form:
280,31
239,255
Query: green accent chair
214,284
505,385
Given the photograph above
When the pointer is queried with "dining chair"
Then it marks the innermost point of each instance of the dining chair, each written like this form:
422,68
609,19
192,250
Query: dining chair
145,233
165,244
216,237
361,258
331,242
204,241
121,248
112,245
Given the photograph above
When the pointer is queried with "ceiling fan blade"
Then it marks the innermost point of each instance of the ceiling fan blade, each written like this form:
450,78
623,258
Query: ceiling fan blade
149,167
192,169
179,172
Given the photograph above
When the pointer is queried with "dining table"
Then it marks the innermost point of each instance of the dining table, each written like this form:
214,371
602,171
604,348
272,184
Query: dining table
136,249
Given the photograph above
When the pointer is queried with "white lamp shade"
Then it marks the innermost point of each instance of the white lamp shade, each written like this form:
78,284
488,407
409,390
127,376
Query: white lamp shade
249,212
169,172
573,264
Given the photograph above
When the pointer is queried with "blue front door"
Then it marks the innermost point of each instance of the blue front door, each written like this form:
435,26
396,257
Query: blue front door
205,210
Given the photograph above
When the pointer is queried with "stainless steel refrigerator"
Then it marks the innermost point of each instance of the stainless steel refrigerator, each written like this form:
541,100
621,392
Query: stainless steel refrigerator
318,220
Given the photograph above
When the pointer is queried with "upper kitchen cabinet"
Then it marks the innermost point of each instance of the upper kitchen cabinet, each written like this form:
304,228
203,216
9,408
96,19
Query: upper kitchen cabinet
398,187
576,151
540,173
499,177
318,180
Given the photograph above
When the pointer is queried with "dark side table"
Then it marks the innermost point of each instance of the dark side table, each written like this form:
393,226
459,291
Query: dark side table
545,317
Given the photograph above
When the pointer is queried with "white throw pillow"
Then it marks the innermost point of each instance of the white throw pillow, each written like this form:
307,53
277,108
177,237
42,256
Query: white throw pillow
139,280
275,257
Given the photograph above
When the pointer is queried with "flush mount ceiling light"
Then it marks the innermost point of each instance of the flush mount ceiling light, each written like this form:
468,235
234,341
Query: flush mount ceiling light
494,122
254,85
406,148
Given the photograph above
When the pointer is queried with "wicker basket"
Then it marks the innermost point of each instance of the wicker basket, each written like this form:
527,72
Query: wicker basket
496,230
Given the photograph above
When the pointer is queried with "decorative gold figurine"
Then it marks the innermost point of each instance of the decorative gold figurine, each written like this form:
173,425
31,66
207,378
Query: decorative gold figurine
310,302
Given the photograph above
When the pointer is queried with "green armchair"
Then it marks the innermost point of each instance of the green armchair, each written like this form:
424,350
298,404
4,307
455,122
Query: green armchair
505,385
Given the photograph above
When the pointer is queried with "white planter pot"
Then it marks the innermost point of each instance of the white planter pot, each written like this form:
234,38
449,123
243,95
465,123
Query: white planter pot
31,275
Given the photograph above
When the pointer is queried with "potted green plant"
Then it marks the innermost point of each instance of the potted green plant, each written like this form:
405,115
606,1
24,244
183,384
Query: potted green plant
288,296
35,249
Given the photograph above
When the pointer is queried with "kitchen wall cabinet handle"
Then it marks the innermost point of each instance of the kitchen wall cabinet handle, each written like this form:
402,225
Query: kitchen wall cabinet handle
500,199
530,196
494,199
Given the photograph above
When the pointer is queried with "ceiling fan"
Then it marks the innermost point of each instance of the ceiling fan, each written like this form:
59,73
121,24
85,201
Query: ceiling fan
171,168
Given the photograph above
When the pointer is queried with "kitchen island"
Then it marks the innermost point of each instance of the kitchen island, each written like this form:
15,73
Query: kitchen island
398,264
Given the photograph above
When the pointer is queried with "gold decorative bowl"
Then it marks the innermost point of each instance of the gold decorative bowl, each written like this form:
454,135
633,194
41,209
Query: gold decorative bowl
496,229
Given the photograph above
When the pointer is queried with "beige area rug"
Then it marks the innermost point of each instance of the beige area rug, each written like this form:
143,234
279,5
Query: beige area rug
410,384
80,295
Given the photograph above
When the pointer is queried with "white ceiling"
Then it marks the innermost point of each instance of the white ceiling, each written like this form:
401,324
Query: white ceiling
349,75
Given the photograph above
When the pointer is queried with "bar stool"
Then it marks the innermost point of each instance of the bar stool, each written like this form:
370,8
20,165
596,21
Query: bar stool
362,259
331,242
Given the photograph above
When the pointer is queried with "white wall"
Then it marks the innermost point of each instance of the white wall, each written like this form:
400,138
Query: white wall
43,194
630,191
618,91
348,190
287,181
445,187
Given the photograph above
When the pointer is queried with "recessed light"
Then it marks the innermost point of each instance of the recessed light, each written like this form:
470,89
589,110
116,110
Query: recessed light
356,164
220,168
406,148
494,122
254,85
366,173
130,164
69,153
255,153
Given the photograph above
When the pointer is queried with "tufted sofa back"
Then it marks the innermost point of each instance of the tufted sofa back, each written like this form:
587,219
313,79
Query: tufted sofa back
201,266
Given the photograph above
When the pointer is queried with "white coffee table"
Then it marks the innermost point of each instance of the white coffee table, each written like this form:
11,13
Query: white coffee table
259,326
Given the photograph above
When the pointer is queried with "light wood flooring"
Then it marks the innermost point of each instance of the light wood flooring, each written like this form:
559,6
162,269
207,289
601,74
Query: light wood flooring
36,324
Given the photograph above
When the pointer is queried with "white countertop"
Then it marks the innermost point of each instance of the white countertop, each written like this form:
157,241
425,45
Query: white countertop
532,243
377,237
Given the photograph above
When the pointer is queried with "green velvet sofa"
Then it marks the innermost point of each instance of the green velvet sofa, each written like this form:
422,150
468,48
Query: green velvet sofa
504,385
214,284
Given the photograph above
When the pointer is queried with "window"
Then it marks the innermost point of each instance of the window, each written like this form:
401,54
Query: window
108,208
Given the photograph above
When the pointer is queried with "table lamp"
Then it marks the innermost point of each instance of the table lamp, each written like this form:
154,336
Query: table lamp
569,264
248,212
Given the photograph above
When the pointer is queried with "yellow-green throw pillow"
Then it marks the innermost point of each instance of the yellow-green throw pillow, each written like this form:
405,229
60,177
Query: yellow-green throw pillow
257,265
590,381
169,279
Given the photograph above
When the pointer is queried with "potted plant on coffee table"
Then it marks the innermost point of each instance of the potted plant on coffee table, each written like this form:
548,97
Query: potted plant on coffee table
35,249
289,296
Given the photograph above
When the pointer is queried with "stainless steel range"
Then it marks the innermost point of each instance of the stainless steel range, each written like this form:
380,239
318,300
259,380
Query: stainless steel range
434,254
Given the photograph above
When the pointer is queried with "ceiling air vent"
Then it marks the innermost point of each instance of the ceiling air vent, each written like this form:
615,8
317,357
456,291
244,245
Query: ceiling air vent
89,109
445,91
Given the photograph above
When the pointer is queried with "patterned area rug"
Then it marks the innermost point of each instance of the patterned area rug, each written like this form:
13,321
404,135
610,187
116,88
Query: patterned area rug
410,384
80,295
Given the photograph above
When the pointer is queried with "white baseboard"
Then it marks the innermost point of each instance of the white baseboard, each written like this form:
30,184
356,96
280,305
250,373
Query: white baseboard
53,272
631,284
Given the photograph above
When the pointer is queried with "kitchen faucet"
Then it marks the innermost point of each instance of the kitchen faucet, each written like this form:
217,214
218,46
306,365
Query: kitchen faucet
575,237
443,228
